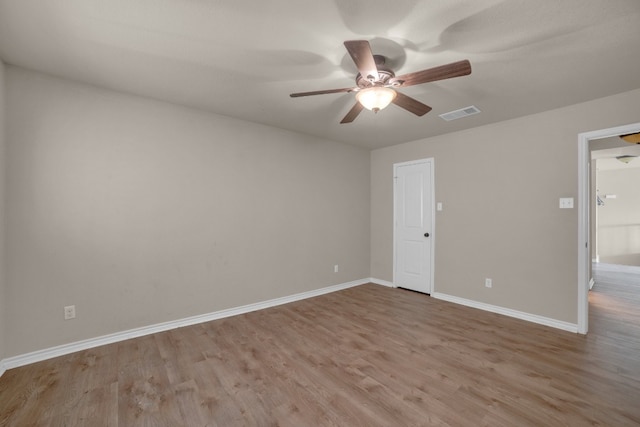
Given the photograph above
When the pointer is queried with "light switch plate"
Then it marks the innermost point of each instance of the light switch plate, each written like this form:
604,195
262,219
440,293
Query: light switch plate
566,202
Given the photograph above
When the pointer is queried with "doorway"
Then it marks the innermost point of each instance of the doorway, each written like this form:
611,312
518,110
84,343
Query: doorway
413,233
615,209
584,221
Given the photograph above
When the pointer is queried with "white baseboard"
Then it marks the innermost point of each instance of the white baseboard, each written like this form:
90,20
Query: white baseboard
565,326
49,353
381,282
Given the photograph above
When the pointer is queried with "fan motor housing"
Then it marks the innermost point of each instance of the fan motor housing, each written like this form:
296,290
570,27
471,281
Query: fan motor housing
384,74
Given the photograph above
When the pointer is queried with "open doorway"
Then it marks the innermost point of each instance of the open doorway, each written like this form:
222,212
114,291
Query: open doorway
615,202
584,217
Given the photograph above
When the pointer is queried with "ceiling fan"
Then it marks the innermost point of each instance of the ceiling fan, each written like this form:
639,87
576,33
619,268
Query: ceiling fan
376,83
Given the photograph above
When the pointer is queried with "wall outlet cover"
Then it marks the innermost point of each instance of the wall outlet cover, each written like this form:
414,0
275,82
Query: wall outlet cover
70,312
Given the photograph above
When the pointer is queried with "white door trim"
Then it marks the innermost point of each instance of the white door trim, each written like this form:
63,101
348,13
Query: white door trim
431,161
584,252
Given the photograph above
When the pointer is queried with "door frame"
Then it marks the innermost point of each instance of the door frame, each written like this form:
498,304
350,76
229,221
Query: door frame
584,222
432,225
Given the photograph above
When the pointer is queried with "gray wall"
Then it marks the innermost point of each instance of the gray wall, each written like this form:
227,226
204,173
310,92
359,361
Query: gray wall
619,218
500,185
140,212
3,323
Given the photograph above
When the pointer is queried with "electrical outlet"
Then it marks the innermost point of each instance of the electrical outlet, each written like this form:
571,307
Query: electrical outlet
335,268
70,312
488,283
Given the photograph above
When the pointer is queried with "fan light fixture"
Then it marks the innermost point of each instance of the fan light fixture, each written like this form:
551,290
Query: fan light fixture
376,98
625,159
375,82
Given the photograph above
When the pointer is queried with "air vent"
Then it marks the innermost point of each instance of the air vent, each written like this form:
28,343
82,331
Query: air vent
457,114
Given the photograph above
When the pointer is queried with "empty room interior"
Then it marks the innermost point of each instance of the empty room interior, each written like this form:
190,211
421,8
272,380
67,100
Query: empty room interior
319,213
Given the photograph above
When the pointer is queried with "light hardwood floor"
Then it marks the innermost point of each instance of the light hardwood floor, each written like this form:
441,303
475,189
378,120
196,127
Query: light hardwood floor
365,356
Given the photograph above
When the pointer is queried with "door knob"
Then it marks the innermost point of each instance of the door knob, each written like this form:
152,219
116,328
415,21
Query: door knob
426,234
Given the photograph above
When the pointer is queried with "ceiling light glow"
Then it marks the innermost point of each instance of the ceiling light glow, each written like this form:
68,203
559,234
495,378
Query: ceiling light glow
376,98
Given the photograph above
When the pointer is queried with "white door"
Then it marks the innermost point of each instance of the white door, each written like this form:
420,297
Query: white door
413,231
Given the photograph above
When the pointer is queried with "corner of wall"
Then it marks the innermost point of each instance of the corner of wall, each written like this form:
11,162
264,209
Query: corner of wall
2,219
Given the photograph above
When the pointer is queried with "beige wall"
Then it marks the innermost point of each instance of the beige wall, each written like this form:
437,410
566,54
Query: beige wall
500,185
619,218
140,212
3,323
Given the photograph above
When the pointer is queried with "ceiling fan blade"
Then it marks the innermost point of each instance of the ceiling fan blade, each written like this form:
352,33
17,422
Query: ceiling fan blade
322,92
410,104
360,52
353,113
455,69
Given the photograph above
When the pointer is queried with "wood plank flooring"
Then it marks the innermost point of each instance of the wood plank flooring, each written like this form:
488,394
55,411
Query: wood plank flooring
365,356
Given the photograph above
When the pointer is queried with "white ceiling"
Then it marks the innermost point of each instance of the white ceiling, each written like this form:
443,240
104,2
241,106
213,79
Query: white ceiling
242,58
